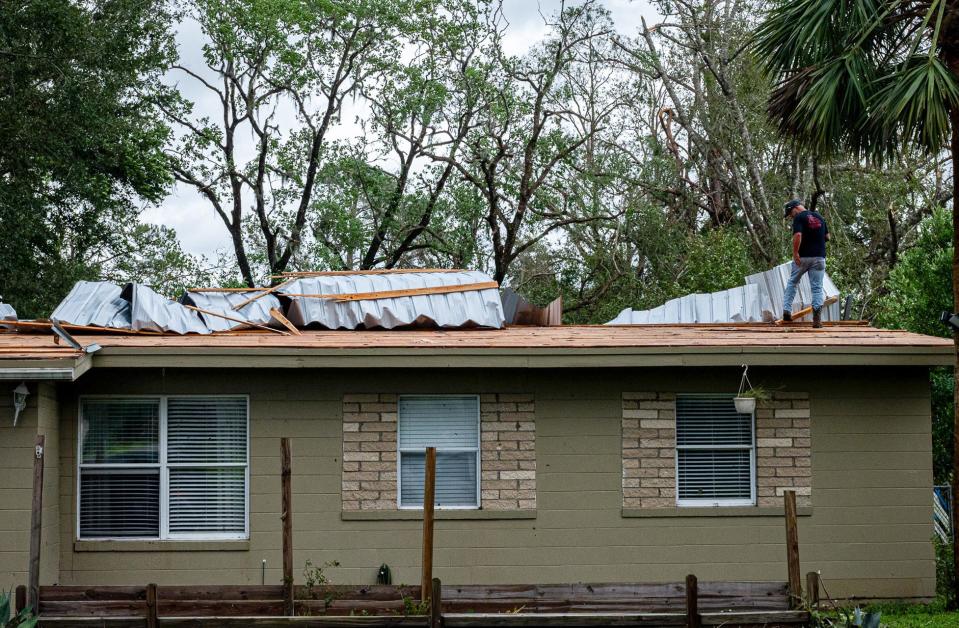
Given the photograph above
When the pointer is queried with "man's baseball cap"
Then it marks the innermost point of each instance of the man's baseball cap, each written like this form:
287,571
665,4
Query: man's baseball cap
788,207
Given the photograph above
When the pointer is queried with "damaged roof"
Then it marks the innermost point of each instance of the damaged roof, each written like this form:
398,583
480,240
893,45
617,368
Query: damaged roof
512,347
759,299
328,300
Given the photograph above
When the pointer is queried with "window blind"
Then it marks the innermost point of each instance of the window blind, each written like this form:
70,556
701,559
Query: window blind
451,424
207,500
120,431
167,467
205,431
714,451
120,503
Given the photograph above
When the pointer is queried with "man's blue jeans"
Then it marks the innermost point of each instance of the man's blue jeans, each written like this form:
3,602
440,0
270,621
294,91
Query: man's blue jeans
816,267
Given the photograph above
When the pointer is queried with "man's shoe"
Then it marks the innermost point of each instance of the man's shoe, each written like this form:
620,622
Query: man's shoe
817,318
787,316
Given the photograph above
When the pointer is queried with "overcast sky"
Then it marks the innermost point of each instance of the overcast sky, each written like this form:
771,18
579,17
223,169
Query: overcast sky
202,232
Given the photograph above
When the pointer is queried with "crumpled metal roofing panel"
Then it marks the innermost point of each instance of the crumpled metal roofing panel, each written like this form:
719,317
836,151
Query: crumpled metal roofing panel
135,306
7,313
735,305
150,311
475,308
94,303
772,286
255,312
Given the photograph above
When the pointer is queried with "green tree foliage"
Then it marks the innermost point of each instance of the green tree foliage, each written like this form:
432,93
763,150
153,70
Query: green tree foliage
80,148
919,289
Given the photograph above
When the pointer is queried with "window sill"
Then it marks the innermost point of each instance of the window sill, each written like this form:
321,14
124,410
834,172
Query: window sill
715,511
417,515
161,546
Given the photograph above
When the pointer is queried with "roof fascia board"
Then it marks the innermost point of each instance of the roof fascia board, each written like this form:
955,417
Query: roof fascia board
412,359
38,373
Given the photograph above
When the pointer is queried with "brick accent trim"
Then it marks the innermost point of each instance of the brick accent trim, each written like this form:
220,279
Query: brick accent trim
369,452
507,451
649,450
783,449
508,443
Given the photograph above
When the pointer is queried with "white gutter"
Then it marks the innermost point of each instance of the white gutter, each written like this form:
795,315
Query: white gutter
39,373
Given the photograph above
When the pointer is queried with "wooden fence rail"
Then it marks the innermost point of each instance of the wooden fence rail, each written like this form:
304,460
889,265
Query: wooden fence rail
691,603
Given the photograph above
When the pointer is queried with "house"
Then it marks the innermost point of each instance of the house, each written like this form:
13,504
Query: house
565,454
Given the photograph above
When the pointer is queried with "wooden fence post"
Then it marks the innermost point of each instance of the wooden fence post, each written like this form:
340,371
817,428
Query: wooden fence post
692,602
286,480
429,496
152,605
436,605
812,589
36,525
792,549
21,598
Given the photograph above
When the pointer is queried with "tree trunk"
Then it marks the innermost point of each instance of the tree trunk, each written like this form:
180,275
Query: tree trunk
954,120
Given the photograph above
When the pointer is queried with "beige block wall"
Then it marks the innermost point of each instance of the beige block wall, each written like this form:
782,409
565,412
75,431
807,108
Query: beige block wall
783,449
41,416
868,532
507,442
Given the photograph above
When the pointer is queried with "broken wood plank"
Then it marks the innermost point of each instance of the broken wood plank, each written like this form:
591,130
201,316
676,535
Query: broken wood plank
806,311
262,293
47,325
278,315
406,292
235,320
374,271
256,289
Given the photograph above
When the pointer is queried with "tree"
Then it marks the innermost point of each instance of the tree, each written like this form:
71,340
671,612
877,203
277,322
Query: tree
918,289
280,73
869,78
80,144
523,155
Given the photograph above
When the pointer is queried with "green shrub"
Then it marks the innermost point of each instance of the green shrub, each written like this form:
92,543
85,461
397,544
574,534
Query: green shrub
23,619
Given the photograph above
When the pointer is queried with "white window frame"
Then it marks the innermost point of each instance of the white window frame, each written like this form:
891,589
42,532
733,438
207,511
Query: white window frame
709,502
401,450
164,470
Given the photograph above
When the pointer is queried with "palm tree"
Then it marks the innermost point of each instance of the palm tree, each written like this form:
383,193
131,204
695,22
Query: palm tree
870,78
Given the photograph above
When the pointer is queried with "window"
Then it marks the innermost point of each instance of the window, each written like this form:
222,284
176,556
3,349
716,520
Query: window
451,424
715,458
163,468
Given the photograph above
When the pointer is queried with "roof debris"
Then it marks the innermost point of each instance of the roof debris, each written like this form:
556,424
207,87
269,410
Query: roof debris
387,300
759,300
327,300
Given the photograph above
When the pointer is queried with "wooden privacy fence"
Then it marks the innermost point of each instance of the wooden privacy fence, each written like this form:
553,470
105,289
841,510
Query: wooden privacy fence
690,604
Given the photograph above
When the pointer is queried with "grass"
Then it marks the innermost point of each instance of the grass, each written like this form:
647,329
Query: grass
916,615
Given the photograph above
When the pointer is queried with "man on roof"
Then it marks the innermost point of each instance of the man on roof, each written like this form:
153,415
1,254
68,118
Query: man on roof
810,234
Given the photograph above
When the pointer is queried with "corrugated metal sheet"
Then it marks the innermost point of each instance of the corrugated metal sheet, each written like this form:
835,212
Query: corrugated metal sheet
7,313
255,312
135,306
95,303
477,308
772,285
150,311
740,304
760,299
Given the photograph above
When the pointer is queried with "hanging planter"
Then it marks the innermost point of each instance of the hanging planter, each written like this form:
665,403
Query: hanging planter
745,399
745,405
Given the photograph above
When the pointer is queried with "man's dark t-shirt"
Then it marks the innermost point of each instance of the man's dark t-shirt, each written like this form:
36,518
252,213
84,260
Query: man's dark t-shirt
813,228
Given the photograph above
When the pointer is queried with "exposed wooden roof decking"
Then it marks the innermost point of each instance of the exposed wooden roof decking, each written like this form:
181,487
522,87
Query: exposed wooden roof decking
573,345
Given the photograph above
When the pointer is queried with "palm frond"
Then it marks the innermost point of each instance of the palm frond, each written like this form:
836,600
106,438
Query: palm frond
912,102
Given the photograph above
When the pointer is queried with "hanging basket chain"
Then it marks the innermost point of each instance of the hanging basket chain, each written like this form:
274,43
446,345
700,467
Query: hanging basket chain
744,381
